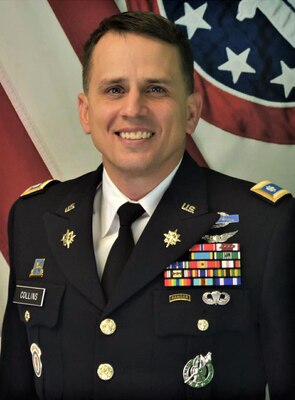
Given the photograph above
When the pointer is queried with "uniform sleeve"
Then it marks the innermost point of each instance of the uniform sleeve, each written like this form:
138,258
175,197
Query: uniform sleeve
16,372
277,318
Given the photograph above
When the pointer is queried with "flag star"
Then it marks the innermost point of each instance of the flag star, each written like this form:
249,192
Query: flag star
237,64
193,19
287,78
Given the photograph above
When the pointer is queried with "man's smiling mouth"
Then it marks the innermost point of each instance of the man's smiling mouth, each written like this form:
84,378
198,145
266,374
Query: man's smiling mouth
137,135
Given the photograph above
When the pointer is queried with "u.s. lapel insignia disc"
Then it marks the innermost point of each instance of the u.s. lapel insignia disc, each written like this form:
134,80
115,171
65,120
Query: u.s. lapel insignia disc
188,208
199,371
171,238
68,238
70,207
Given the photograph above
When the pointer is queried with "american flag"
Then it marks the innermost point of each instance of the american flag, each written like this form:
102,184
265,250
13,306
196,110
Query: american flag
244,69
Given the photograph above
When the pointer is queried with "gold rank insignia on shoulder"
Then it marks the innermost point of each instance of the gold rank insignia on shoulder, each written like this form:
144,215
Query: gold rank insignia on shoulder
269,191
40,187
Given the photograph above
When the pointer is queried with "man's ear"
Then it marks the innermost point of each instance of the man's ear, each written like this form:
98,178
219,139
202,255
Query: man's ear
83,109
194,108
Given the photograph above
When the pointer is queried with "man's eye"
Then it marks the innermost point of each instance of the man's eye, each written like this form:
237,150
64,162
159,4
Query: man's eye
157,89
115,90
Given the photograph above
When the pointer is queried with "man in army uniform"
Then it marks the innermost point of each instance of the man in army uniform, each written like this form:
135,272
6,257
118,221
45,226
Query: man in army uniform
202,306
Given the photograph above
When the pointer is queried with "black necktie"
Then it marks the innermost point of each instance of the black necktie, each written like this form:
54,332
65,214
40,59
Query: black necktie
121,248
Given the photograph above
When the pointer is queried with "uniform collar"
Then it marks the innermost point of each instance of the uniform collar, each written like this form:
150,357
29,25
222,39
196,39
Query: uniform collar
112,199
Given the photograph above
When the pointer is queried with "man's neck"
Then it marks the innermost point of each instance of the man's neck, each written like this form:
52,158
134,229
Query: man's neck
136,187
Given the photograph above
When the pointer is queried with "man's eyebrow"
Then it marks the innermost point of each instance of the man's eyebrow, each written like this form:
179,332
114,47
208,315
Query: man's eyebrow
111,81
160,81
119,80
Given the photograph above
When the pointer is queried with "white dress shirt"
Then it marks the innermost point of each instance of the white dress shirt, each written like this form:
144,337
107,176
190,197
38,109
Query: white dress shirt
105,223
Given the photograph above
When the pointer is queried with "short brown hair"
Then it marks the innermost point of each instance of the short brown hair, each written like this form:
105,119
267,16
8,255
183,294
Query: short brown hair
145,23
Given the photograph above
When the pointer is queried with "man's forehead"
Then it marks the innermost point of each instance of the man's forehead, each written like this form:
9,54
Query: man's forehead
122,57
119,38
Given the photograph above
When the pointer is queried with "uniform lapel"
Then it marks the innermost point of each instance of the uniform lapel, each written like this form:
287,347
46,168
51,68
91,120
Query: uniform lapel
182,210
77,260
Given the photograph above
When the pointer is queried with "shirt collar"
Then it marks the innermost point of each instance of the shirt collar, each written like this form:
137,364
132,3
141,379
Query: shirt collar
112,199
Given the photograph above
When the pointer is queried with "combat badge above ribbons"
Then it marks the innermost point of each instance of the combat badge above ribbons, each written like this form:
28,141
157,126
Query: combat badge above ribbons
225,219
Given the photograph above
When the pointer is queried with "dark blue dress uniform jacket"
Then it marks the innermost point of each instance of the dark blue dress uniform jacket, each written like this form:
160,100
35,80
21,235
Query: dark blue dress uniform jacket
251,338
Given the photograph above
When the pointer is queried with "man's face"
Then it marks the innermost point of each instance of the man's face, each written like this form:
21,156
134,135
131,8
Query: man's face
137,108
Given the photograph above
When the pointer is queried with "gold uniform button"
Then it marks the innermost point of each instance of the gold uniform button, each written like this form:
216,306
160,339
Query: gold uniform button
105,372
203,325
108,326
27,316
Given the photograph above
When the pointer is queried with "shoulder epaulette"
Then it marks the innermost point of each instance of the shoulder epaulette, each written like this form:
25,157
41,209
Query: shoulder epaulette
269,191
39,188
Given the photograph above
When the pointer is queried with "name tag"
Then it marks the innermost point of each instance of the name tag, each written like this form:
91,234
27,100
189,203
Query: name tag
29,295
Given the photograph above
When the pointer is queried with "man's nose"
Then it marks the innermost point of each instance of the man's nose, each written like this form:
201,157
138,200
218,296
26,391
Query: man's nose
134,104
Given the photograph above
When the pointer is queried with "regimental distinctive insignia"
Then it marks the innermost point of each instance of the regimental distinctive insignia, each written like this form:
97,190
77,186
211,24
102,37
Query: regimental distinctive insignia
36,359
207,264
216,298
199,371
70,207
269,191
37,271
68,238
219,238
171,238
225,219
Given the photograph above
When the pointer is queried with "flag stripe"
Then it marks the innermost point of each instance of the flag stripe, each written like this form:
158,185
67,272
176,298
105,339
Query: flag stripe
44,90
246,158
254,121
79,18
143,5
18,155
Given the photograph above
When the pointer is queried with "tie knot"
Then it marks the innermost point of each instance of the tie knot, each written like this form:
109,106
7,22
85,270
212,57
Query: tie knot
129,212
